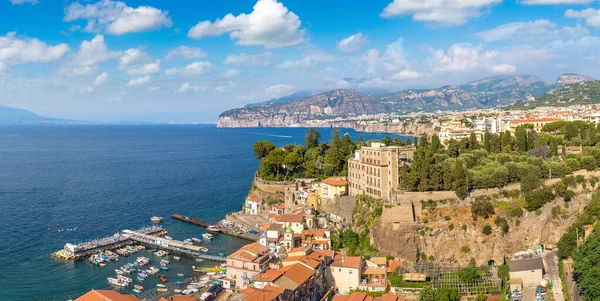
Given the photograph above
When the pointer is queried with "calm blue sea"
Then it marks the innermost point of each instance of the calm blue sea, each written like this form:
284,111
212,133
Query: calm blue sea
105,178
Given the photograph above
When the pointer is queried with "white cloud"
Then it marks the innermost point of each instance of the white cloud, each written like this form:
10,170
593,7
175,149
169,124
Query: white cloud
406,74
554,2
88,57
538,29
20,2
279,90
223,88
444,12
15,51
101,79
231,73
297,64
591,16
270,24
115,17
392,59
186,52
138,81
465,57
136,62
195,68
185,87
249,60
353,43
153,88
3,67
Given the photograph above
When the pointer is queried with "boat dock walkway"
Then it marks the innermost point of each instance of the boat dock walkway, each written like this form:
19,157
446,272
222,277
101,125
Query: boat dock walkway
117,240
171,245
217,228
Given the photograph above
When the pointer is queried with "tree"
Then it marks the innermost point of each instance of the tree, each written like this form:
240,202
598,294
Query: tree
586,265
387,140
473,144
468,275
408,142
529,177
262,148
292,160
487,141
459,176
521,136
435,144
312,138
335,156
589,163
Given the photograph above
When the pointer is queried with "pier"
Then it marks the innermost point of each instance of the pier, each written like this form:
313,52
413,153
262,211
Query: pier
170,245
117,240
217,228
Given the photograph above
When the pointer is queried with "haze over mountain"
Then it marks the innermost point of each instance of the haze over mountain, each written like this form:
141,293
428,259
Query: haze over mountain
16,115
489,92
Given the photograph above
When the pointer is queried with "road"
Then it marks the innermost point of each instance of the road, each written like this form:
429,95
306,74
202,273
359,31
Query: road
551,265
572,286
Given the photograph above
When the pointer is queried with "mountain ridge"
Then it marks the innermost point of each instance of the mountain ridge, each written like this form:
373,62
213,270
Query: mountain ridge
18,115
490,92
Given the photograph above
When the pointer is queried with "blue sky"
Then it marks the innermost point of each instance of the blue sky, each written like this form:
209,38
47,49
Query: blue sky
190,60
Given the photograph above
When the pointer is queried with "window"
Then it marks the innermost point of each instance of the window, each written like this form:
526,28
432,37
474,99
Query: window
350,272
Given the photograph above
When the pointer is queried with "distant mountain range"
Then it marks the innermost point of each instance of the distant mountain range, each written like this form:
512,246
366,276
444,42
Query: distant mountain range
294,96
489,92
16,115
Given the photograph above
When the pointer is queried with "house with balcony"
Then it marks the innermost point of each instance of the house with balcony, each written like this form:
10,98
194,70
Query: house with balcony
271,236
319,239
245,264
333,187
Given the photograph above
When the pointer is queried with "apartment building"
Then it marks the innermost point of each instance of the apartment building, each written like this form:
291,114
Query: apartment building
374,169
538,124
245,264
346,272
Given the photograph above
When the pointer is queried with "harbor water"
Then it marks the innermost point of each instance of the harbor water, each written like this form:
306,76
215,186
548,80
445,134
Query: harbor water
70,183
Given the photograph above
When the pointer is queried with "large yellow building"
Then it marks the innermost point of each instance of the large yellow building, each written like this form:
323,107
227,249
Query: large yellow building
374,169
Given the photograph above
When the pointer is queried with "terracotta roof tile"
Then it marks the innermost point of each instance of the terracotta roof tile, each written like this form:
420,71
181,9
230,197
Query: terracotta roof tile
291,218
105,295
343,261
253,197
335,182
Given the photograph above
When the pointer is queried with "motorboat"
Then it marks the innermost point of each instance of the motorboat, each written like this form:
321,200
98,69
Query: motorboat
213,228
156,219
203,249
180,274
126,279
207,236
165,261
176,257
162,279
117,282
199,260
135,290
138,287
161,290
119,272
197,240
168,237
164,268
178,282
160,285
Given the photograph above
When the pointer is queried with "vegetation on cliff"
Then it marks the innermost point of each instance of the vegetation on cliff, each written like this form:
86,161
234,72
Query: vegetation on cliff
572,94
314,159
356,239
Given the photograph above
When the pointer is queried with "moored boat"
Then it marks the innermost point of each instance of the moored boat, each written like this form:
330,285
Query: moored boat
161,290
117,282
197,240
207,236
139,287
176,257
160,285
180,274
213,228
162,279
156,219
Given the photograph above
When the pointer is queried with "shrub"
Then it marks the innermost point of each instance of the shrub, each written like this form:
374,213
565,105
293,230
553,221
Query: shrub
589,163
502,223
447,217
516,212
573,164
464,227
482,208
451,226
487,230
538,198
538,211
465,249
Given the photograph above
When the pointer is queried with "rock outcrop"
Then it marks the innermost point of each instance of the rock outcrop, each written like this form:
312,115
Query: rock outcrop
572,78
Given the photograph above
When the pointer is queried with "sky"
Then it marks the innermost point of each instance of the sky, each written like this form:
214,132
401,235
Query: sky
187,61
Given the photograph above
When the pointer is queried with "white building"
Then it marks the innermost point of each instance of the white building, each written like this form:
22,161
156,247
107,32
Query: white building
252,203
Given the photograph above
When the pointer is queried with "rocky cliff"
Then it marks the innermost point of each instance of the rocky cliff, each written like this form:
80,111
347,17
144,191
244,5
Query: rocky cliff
337,103
572,78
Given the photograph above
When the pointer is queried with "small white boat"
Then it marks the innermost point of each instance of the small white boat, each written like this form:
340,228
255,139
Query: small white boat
117,282
156,219
135,290
168,237
119,272
180,274
203,249
161,290
213,228
139,287
207,236
176,257
199,260
160,285
177,291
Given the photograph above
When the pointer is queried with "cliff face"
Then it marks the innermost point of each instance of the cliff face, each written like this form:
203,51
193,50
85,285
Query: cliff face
435,238
337,103
572,78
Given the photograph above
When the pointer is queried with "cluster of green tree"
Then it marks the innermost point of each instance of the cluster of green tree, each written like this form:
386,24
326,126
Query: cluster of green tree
396,280
588,216
314,159
365,212
354,244
501,159
574,132
586,265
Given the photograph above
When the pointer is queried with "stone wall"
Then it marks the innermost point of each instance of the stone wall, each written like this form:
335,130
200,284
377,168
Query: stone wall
270,186
339,206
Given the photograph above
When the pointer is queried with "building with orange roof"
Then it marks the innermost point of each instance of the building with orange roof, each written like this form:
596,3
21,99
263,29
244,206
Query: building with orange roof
333,187
292,221
298,281
106,295
244,264
537,123
346,272
268,293
252,204
278,208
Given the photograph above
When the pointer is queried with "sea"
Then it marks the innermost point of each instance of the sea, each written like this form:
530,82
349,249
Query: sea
70,183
